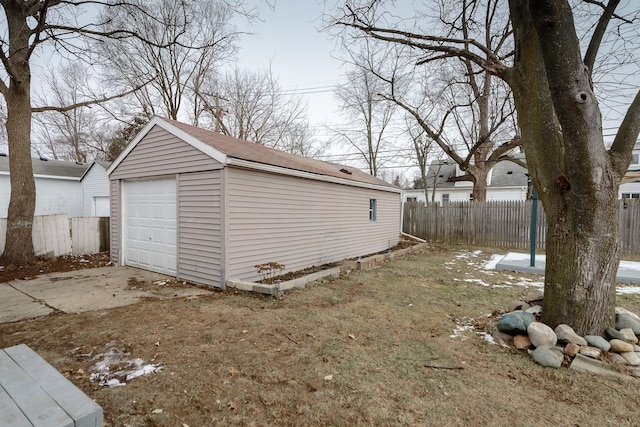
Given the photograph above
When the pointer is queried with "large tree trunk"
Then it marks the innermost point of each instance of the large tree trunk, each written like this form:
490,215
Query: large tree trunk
19,244
572,171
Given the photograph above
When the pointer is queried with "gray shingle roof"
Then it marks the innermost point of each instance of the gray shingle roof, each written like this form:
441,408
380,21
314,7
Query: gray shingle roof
504,174
54,168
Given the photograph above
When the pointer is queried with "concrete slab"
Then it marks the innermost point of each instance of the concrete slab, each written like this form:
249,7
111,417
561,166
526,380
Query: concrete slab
16,305
628,271
86,290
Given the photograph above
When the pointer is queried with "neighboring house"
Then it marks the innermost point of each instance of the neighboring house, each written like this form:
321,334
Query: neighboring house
206,207
506,181
58,187
630,186
95,190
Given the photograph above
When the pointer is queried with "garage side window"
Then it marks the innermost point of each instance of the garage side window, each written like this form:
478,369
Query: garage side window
373,211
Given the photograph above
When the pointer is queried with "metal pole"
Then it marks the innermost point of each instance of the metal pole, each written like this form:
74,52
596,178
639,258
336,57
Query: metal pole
534,225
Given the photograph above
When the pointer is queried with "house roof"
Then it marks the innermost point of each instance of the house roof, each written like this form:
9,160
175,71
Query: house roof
503,174
237,152
102,163
58,169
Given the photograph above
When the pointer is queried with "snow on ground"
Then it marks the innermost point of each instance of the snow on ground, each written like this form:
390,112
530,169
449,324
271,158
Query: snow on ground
481,266
115,367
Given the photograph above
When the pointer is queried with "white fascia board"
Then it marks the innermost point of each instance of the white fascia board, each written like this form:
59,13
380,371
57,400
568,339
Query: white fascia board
66,178
177,132
232,161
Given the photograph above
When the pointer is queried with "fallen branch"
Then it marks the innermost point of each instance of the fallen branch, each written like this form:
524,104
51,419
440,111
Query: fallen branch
443,367
290,339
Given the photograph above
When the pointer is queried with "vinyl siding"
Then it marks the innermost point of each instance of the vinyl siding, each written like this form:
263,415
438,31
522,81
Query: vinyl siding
301,222
161,153
199,238
94,184
114,221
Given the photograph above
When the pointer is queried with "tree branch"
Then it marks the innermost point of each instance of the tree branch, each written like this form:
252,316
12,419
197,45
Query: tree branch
85,103
598,34
626,137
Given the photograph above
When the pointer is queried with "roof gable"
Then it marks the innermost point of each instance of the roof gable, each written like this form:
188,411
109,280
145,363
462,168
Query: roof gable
237,152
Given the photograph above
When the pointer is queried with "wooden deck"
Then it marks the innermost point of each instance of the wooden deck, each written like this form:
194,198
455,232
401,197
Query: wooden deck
33,393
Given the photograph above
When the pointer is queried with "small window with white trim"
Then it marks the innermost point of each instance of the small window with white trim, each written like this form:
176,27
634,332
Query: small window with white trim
373,210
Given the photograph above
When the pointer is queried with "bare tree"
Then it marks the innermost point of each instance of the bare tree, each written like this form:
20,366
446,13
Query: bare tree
189,38
369,114
251,105
32,26
576,176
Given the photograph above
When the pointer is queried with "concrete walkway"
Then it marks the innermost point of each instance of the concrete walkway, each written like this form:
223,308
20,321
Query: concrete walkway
86,290
628,271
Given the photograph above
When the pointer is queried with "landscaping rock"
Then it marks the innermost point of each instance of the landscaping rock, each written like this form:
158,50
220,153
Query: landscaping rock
620,310
598,342
627,321
619,346
628,335
585,364
541,335
545,356
521,342
536,309
566,334
518,305
589,351
631,357
614,334
571,349
616,358
515,322
534,297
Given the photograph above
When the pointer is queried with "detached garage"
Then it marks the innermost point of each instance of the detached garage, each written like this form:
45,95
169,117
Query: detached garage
207,208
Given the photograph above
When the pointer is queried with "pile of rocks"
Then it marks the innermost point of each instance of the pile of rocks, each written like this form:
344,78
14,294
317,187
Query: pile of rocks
617,353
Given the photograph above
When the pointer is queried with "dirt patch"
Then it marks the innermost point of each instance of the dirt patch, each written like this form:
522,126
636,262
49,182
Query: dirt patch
397,345
60,264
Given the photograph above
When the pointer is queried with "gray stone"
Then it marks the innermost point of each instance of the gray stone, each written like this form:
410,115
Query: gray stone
518,305
534,297
536,309
627,321
619,346
614,334
598,342
584,364
621,310
616,358
588,351
515,322
566,334
631,357
545,356
628,335
541,335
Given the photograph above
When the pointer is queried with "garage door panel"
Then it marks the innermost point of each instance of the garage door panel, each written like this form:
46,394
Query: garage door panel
150,221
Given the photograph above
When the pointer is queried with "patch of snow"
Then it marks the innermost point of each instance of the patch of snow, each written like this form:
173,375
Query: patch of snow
458,331
478,281
487,337
124,368
627,290
493,261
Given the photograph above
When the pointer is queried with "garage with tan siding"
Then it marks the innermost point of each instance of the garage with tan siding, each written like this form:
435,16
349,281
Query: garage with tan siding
233,204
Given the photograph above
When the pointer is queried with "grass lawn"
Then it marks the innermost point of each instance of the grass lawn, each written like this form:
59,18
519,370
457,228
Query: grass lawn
397,345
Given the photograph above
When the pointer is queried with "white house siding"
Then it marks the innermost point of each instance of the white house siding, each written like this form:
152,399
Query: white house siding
302,222
200,228
94,184
53,196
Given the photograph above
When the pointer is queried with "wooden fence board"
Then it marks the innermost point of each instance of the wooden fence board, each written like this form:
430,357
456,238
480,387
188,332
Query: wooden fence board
55,235
502,224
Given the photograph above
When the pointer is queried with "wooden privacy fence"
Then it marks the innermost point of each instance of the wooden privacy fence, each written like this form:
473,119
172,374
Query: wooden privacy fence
55,235
504,224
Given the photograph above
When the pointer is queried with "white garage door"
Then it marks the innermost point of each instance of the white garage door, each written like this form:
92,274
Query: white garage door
150,224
